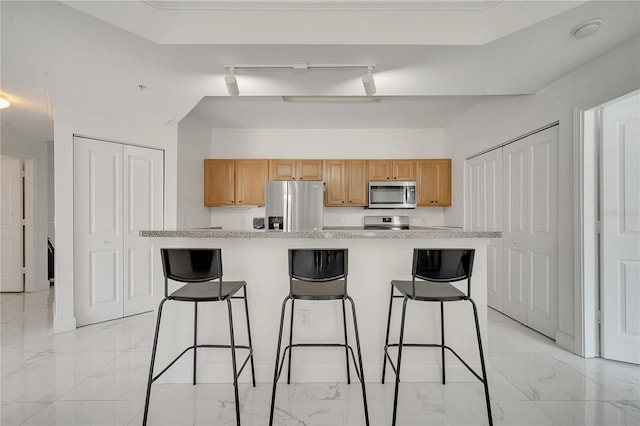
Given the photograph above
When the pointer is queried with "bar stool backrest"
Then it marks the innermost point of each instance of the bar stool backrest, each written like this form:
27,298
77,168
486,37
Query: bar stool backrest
443,265
189,265
318,265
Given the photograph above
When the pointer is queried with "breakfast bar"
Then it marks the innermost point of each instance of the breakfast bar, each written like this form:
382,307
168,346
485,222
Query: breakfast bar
376,257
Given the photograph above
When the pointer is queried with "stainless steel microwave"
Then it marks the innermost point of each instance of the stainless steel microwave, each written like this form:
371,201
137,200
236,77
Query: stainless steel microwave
392,195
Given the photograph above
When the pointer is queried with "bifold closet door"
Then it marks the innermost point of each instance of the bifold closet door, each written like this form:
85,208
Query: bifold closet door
97,237
484,213
118,190
530,232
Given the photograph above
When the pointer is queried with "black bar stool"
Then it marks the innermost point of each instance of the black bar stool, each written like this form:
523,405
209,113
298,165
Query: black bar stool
435,269
318,274
201,270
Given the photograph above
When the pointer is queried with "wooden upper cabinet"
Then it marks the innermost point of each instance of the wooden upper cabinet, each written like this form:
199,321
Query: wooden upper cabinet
295,169
347,183
282,169
235,182
219,187
336,182
309,169
250,179
403,169
433,179
357,183
380,170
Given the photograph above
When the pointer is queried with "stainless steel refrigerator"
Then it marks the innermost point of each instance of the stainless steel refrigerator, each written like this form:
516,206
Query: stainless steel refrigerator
294,205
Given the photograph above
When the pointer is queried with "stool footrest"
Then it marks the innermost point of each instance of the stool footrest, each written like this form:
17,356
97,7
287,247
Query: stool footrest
323,345
428,345
207,346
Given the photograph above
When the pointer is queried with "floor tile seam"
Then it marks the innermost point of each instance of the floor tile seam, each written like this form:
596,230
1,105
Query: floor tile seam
27,420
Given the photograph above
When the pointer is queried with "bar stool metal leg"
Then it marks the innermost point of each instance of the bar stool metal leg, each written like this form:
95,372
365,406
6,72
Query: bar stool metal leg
346,343
233,362
386,341
246,310
442,338
361,367
485,380
395,396
195,339
290,343
278,347
153,361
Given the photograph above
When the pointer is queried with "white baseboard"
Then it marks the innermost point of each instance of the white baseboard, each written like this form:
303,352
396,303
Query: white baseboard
566,341
60,325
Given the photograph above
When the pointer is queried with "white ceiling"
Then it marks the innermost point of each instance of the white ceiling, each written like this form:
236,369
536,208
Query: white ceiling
433,60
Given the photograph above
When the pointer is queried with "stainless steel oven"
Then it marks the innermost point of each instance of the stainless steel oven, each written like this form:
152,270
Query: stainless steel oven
392,195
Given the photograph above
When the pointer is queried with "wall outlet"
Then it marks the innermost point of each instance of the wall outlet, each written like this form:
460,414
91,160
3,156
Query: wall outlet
304,318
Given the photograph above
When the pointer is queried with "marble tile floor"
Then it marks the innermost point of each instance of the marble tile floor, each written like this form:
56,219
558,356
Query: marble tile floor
96,375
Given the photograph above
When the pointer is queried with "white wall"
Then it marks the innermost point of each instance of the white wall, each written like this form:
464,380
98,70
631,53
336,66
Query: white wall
326,144
73,116
492,122
194,144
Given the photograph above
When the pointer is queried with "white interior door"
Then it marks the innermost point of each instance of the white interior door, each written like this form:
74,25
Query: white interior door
11,240
542,244
620,280
143,207
515,233
98,257
484,210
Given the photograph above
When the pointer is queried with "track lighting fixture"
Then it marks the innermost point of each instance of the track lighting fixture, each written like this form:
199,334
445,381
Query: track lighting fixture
232,83
368,83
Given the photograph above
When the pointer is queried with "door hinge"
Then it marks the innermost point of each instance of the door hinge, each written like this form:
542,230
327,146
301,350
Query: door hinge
598,227
599,316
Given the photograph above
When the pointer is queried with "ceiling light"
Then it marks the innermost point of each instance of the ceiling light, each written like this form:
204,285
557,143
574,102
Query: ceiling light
232,83
331,99
587,28
4,103
368,83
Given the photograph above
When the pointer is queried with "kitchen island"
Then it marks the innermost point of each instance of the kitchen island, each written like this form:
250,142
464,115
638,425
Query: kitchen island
375,258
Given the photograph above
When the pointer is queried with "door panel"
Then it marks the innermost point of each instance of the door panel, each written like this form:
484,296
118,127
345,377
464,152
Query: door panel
484,174
542,312
515,230
143,207
97,230
620,246
11,276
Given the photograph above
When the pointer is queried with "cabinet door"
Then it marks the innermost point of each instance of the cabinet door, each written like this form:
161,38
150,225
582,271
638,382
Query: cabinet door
357,183
403,170
219,183
335,179
250,178
282,169
379,170
309,169
433,178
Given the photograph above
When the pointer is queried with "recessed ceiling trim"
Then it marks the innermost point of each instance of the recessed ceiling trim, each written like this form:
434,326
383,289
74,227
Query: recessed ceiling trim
316,5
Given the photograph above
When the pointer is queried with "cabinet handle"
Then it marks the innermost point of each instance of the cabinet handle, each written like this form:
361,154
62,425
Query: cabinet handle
387,177
240,202
515,242
342,201
105,242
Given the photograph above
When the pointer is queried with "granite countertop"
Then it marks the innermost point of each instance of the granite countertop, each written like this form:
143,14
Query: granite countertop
327,233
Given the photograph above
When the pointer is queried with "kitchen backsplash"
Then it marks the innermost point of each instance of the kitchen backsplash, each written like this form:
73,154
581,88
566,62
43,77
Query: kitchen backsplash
242,218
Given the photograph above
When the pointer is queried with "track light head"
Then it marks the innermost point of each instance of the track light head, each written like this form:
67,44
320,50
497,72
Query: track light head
232,83
368,83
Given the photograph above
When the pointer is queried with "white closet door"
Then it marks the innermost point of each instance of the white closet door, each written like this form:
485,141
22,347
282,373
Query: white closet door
11,277
484,201
143,207
97,194
516,206
542,314
620,283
